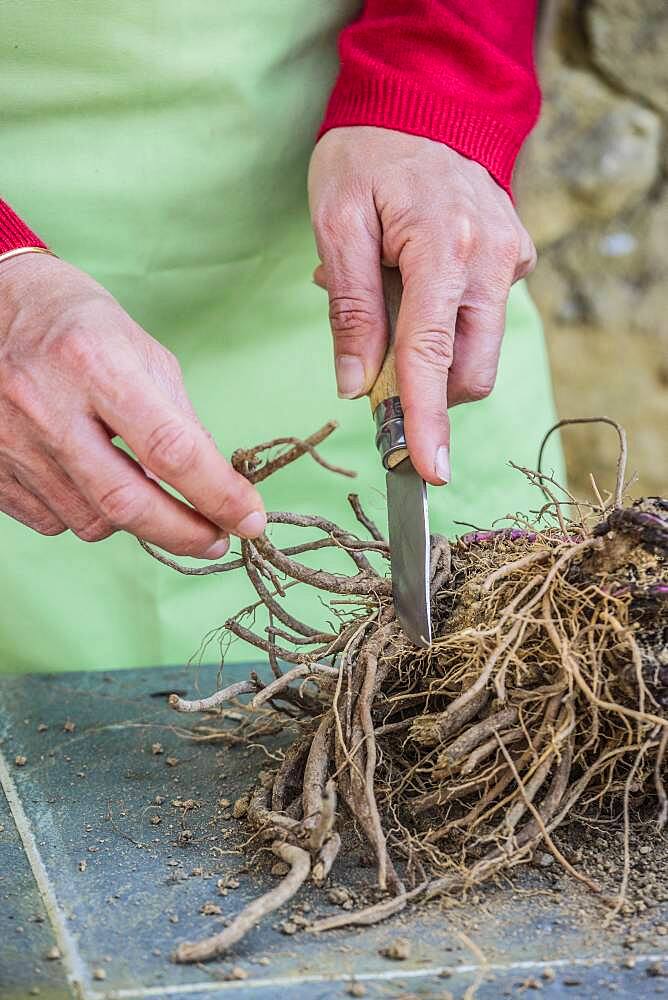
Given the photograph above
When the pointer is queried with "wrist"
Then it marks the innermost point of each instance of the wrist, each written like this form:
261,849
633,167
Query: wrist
28,278
400,106
20,251
14,233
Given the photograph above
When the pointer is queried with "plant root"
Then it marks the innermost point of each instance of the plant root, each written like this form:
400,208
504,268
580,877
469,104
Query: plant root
546,686
219,944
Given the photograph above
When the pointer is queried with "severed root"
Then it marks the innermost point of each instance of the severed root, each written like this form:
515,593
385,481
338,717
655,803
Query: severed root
300,867
322,841
248,461
369,915
545,688
326,857
219,698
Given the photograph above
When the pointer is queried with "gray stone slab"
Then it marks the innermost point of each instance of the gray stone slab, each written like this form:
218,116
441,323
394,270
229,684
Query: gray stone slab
26,934
121,893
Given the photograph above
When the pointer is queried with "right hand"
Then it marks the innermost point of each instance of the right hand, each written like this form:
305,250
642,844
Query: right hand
75,371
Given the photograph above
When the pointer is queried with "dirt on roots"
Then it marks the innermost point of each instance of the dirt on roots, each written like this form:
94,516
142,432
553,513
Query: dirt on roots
546,686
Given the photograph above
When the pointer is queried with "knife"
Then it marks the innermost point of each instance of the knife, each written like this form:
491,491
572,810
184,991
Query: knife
407,511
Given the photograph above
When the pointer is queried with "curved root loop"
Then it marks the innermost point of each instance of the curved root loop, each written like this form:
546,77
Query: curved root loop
212,947
542,689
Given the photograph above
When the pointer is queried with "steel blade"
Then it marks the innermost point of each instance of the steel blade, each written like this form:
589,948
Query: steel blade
408,521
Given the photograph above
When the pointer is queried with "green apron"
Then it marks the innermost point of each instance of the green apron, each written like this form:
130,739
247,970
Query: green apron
162,146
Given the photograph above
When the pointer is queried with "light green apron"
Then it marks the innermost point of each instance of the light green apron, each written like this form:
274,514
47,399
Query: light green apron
162,146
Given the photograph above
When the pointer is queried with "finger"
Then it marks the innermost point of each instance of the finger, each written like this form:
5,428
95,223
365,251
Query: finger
57,491
527,257
479,333
319,277
23,506
176,449
180,396
123,496
349,245
433,289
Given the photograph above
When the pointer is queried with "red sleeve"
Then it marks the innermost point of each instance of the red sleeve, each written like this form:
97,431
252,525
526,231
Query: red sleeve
14,233
457,71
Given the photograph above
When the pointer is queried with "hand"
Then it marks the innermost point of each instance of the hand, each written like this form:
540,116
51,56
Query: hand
453,232
75,371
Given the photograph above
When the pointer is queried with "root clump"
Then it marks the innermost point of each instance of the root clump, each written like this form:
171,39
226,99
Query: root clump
546,686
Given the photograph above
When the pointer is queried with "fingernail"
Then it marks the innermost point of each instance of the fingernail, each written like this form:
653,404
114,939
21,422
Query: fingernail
349,376
442,464
218,549
251,525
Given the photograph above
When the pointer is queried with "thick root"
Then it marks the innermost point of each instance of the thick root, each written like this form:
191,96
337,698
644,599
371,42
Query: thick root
212,947
546,686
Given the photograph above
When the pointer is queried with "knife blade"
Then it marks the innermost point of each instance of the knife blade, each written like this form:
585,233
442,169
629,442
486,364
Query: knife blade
407,510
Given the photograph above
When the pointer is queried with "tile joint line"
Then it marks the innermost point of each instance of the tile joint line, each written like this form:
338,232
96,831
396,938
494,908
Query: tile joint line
182,989
76,969
74,966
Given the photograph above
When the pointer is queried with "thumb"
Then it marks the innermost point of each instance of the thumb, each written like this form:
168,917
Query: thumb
349,247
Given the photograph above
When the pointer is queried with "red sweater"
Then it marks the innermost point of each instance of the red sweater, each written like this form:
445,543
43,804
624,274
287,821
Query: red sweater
457,71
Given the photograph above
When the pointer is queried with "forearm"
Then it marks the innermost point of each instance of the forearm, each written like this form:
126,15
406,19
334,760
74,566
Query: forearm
453,71
14,233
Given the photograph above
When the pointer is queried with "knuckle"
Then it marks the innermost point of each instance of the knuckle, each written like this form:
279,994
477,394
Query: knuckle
75,348
433,348
465,237
18,389
231,504
24,396
528,259
403,221
345,216
437,408
171,448
122,506
480,388
223,510
350,315
509,246
95,531
47,526
22,509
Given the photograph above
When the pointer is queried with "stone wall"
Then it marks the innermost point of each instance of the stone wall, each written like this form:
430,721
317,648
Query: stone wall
593,191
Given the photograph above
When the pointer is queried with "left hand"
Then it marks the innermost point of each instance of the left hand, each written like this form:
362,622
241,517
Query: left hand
376,194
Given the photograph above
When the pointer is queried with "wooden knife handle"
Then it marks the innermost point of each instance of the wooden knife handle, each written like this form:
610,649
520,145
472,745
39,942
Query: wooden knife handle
386,385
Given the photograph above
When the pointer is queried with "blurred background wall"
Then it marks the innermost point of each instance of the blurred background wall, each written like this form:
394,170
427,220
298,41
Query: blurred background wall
593,192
